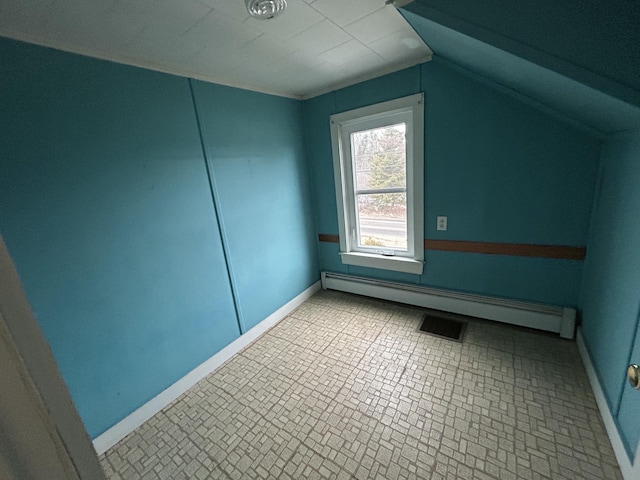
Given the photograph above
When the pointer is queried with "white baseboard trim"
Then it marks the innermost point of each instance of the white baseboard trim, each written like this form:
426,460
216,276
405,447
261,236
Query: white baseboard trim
629,471
124,427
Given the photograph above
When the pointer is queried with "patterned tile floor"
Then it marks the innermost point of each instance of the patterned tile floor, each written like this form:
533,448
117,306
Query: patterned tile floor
347,387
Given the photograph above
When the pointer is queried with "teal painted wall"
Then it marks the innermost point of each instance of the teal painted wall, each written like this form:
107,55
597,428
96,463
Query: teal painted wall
610,298
106,208
255,145
629,411
501,170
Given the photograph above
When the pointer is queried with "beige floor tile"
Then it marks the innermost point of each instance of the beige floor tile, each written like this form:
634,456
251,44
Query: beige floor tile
347,387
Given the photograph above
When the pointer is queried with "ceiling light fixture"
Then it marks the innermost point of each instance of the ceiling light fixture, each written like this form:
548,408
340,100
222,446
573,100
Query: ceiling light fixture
265,9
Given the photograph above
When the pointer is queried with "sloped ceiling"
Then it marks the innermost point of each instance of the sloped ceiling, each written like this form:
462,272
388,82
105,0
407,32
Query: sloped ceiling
595,42
313,47
578,57
567,96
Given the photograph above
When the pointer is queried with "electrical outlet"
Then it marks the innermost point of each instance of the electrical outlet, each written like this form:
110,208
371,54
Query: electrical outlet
442,223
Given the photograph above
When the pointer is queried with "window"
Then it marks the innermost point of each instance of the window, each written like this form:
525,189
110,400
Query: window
378,159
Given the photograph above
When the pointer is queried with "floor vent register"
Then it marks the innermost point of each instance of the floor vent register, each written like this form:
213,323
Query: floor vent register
444,325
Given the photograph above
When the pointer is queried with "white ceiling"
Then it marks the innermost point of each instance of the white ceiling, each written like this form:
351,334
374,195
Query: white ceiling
315,46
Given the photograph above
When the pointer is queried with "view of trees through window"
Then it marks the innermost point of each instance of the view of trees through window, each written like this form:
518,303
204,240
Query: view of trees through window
380,175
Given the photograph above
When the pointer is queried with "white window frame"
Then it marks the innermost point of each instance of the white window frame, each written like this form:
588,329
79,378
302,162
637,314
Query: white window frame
410,110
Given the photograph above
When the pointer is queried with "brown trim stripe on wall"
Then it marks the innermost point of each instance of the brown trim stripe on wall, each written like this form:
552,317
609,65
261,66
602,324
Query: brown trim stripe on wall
494,248
325,237
513,249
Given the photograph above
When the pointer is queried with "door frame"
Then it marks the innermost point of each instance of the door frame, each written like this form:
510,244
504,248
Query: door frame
31,358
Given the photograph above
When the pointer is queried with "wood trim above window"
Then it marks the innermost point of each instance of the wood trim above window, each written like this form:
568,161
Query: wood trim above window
494,248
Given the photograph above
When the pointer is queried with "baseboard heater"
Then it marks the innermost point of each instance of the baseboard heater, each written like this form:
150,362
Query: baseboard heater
533,315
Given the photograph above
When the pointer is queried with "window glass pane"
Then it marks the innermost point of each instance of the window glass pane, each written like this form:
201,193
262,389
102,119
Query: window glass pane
382,220
379,157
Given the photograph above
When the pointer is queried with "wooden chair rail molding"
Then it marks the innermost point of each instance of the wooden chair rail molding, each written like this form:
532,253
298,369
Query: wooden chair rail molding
494,248
324,237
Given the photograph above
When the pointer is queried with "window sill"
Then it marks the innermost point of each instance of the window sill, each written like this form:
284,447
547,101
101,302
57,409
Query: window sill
373,260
